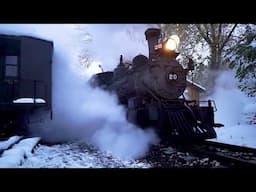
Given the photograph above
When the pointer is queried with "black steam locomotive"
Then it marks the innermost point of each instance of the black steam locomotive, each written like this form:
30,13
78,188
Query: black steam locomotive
152,90
25,81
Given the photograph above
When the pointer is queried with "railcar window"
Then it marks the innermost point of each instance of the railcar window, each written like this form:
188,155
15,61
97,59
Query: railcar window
11,60
11,63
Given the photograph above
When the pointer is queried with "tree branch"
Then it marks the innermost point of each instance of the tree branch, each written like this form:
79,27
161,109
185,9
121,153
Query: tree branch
207,30
227,38
206,38
219,33
230,51
213,34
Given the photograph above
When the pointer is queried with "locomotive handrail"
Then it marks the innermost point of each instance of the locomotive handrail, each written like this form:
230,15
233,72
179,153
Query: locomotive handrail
210,103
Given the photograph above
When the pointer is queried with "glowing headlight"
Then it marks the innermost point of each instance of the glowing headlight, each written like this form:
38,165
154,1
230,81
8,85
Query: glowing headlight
176,38
172,43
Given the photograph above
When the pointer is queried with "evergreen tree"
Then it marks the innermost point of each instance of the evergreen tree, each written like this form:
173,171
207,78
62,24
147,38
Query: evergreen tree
242,58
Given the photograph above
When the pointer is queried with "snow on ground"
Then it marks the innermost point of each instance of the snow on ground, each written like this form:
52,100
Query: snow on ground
68,155
15,156
6,144
75,155
243,133
236,111
240,125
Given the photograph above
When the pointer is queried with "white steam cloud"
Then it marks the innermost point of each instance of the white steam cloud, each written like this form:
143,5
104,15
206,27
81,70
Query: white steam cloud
234,108
110,41
231,102
80,112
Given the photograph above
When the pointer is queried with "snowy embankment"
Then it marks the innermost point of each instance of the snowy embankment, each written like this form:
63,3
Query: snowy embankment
15,156
6,144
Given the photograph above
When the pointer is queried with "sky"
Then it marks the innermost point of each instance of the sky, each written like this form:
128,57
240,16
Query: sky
111,41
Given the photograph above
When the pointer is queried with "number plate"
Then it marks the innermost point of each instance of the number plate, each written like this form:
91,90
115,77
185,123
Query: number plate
172,76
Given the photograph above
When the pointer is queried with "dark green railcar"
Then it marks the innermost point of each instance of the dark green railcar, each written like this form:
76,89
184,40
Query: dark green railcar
25,80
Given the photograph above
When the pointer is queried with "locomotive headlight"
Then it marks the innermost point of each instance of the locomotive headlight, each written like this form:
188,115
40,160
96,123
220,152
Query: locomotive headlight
176,38
172,43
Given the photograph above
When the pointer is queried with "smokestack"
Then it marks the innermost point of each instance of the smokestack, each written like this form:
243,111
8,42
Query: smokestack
152,36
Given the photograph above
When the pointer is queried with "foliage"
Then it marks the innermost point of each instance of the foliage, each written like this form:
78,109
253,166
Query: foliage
207,45
242,58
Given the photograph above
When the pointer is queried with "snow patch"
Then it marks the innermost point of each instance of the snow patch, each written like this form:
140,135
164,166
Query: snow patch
29,100
253,44
16,155
6,144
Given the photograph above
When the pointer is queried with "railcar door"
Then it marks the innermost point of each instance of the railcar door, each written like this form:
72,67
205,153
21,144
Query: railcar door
9,78
9,69
1,78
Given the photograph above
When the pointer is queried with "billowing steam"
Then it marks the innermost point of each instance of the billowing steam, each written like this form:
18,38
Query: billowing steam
110,41
230,101
234,108
80,112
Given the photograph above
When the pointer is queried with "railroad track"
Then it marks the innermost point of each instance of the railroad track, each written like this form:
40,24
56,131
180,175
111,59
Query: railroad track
165,155
206,154
229,155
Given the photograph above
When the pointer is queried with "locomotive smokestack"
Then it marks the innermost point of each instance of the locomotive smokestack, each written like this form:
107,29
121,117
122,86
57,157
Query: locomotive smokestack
152,36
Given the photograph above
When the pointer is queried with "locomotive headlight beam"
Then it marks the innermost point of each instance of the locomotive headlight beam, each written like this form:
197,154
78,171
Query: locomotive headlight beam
176,38
172,43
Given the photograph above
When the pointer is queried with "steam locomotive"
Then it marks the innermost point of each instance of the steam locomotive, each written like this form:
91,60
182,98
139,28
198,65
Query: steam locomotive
152,90
25,81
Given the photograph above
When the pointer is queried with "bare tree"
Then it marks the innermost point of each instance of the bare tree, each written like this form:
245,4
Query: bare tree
215,38
242,58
